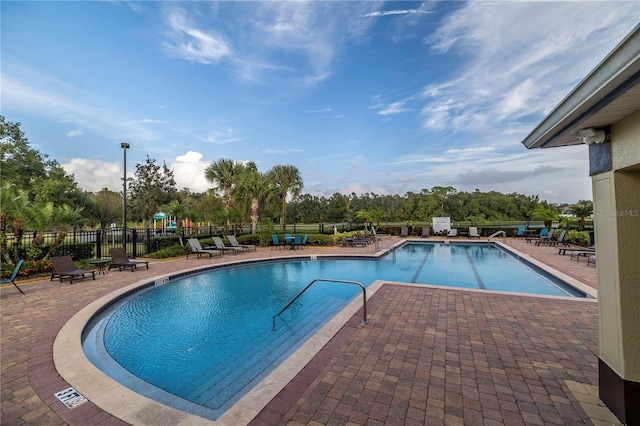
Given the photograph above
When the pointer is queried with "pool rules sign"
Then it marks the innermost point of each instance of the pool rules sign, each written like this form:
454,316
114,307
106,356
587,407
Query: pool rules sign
70,397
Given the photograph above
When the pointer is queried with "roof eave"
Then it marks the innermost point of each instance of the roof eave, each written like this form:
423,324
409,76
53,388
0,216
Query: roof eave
616,74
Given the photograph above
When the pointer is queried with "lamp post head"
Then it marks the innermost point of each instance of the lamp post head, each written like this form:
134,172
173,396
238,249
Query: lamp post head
124,145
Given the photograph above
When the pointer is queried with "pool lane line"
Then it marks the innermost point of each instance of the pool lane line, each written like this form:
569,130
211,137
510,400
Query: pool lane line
473,268
419,270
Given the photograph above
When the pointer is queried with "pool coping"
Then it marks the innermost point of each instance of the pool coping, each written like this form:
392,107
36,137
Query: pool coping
76,369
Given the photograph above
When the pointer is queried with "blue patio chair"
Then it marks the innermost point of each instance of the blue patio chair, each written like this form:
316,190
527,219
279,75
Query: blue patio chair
276,243
519,233
297,242
14,274
304,240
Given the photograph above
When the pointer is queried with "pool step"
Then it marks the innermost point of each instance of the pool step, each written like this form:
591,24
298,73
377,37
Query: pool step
260,354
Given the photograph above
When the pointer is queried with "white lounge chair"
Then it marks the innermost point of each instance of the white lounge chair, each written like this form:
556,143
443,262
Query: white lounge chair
196,248
234,243
473,232
453,233
217,241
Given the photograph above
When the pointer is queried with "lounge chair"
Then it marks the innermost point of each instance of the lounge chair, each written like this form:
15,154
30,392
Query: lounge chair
120,260
543,234
453,233
584,253
14,274
63,266
276,242
196,248
234,243
219,245
353,242
404,231
473,232
591,259
553,241
425,232
564,250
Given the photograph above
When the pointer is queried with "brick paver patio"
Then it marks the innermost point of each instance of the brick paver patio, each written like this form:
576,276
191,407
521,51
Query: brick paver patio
427,356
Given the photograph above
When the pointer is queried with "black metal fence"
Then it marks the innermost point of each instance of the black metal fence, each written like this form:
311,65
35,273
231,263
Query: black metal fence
139,242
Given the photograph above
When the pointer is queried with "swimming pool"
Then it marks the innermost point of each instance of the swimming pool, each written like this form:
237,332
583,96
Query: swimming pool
197,343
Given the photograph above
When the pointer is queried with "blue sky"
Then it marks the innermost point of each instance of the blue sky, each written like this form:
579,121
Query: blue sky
379,97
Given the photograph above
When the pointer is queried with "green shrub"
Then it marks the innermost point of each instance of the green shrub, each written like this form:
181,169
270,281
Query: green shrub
266,228
174,251
160,243
577,237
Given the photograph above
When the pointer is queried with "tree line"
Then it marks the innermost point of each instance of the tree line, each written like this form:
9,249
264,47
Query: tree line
38,195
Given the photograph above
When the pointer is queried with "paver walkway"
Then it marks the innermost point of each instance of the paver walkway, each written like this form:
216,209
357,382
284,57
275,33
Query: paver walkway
427,356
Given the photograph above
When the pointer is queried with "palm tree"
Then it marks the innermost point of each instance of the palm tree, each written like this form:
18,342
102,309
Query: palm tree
65,217
251,185
42,218
582,209
286,180
548,214
223,173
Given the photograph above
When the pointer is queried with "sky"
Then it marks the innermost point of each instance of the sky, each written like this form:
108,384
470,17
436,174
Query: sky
360,96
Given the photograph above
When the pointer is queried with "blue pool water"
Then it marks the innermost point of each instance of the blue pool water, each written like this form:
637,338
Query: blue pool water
199,342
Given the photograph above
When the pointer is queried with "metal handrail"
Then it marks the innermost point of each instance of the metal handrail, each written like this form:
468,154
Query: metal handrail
504,234
364,296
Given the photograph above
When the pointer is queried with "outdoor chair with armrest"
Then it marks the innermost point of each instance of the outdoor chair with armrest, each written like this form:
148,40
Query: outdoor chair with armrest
219,245
234,243
584,253
196,248
14,274
543,234
553,241
473,232
276,242
564,250
63,267
120,260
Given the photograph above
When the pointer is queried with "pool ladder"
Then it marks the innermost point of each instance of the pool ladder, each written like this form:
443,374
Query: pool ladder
504,236
364,296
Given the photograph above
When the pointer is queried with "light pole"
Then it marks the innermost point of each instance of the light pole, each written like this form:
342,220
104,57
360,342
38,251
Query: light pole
124,146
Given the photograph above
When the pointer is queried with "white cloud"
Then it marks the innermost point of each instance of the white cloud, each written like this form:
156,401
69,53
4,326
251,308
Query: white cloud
94,175
188,42
220,137
76,132
36,93
393,108
507,73
188,170
394,12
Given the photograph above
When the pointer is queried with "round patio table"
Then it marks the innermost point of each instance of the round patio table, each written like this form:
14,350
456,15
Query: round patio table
101,264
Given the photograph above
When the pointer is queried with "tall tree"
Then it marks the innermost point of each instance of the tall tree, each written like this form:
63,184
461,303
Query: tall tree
582,209
286,180
224,174
19,163
251,185
108,207
151,187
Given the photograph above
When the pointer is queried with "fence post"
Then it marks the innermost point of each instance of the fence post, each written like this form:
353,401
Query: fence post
98,243
134,237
